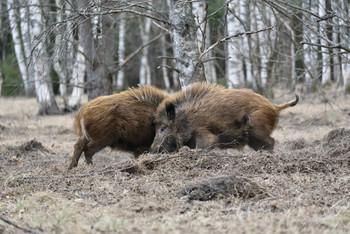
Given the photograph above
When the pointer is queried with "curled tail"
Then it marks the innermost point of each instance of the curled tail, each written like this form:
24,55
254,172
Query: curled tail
80,128
288,104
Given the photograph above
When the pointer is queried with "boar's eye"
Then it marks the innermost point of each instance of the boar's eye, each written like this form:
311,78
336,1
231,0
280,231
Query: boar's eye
162,129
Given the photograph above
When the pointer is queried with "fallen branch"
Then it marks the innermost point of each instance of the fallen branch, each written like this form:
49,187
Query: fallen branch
6,220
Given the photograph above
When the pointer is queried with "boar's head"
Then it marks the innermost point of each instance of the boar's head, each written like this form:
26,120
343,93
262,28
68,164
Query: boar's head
172,131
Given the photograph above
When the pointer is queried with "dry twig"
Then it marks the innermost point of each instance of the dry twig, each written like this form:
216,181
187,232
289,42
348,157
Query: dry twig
6,220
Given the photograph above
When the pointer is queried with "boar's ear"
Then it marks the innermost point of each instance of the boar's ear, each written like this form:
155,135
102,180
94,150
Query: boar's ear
170,111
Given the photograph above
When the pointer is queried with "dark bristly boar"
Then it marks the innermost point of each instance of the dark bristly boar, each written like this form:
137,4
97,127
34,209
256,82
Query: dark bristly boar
207,115
123,121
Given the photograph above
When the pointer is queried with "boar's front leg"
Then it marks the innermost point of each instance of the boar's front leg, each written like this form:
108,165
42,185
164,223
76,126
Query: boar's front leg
205,139
261,142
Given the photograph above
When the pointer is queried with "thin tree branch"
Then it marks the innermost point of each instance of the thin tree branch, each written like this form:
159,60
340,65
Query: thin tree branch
218,42
138,50
161,27
6,220
337,46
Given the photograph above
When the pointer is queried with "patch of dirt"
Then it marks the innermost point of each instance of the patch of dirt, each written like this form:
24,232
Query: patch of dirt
302,187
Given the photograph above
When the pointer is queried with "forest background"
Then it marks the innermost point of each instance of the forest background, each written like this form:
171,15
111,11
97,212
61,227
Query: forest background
68,47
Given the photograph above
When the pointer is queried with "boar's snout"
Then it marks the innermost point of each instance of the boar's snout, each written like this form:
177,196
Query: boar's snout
164,144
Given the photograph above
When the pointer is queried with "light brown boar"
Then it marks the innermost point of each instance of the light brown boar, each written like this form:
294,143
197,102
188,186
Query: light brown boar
123,121
208,115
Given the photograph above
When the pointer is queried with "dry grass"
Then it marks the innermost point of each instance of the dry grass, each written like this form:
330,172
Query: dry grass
307,179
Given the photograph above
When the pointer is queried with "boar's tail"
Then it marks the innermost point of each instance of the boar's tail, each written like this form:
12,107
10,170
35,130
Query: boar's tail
288,104
80,128
83,129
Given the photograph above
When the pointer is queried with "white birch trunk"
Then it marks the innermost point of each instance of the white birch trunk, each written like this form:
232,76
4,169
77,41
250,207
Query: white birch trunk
27,44
326,73
164,60
1,80
203,37
246,53
310,53
263,43
344,39
16,37
62,75
77,80
174,73
234,65
209,67
292,55
145,70
121,50
44,92
338,6
183,35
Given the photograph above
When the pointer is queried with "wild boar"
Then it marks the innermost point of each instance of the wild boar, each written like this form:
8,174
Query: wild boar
208,115
123,121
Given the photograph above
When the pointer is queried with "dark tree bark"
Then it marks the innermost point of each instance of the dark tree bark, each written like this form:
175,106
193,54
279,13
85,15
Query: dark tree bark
98,47
297,26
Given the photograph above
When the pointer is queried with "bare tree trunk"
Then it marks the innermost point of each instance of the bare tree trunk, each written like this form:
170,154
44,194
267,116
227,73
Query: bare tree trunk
27,46
324,60
234,63
121,50
200,10
183,35
0,81
57,56
97,41
297,26
16,37
337,6
78,79
310,53
43,85
344,39
145,69
164,67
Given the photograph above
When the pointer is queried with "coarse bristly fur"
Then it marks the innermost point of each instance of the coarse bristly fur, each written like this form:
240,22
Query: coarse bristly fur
208,115
123,121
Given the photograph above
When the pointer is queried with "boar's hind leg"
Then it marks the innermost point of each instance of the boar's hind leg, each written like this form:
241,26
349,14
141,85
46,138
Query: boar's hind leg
90,149
258,142
78,150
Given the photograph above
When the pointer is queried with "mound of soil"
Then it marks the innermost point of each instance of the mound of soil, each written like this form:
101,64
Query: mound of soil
32,145
337,135
226,186
26,149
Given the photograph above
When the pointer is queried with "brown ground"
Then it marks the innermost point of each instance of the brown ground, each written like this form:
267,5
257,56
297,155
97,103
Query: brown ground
303,187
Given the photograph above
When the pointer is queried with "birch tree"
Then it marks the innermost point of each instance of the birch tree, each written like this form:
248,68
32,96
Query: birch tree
121,50
234,63
78,75
164,64
200,11
17,42
183,34
1,80
344,9
145,70
43,85
63,52
25,24
97,41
